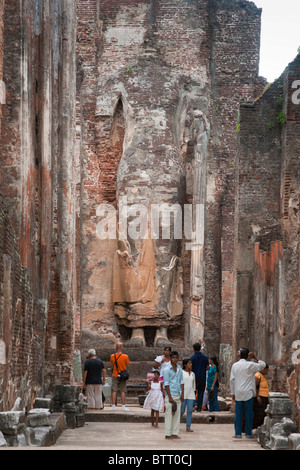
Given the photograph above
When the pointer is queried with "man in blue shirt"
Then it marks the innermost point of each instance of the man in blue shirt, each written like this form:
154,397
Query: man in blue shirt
200,366
174,385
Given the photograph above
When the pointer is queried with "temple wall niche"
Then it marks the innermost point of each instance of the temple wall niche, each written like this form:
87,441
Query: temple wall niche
155,57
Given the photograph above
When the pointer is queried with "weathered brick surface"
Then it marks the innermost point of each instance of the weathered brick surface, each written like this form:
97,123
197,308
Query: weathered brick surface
37,180
267,231
22,353
142,98
2,90
165,59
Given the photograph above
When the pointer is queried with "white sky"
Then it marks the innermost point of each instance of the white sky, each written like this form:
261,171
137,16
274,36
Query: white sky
280,35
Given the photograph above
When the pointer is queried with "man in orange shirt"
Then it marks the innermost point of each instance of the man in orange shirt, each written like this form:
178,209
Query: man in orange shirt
120,362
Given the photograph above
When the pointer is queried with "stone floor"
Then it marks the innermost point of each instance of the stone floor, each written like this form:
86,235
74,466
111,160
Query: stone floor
114,431
142,436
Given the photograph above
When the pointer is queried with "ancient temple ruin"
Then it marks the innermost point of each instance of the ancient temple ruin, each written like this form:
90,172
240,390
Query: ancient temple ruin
150,189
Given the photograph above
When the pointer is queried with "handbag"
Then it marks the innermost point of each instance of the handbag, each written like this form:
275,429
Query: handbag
123,375
211,395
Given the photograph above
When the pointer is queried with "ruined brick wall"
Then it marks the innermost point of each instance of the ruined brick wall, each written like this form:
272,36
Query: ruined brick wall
141,98
290,223
235,43
21,348
267,231
258,195
2,85
37,178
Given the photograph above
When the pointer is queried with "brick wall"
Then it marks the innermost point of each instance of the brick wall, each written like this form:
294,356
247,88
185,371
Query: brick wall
267,231
258,193
2,84
235,36
21,348
290,222
38,179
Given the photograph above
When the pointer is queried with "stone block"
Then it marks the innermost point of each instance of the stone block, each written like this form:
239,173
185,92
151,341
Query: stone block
58,425
43,403
43,436
285,427
278,442
288,426
223,404
70,407
23,439
3,442
38,417
263,436
71,420
66,393
80,420
29,435
82,405
294,441
279,405
12,422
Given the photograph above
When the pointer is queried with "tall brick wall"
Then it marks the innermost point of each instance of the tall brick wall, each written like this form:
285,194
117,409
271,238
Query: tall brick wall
38,181
22,349
2,84
258,194
267,231
235,42
290,222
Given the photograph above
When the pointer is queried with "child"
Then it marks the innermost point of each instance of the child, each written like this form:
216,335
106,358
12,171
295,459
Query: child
189,392
155,399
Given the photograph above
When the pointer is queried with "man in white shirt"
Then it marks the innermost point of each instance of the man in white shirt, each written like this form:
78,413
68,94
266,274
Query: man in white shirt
243,390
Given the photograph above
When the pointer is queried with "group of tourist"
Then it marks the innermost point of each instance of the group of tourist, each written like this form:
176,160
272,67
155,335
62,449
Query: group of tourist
174,390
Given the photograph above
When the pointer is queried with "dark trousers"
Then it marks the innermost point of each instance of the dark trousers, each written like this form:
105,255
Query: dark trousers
200,388
243,408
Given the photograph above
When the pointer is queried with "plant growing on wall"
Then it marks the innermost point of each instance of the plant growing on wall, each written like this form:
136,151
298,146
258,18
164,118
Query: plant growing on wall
281,118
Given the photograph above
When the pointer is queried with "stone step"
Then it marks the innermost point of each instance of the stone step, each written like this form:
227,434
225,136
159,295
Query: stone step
144,354
138,414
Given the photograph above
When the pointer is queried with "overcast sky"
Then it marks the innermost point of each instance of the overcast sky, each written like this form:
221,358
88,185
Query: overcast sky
280,35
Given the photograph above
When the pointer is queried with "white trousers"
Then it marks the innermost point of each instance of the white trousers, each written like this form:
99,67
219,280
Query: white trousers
94,396
172,421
